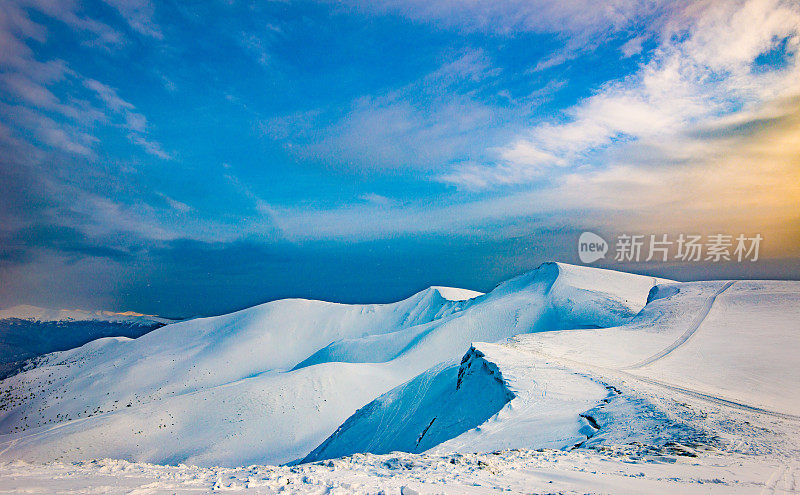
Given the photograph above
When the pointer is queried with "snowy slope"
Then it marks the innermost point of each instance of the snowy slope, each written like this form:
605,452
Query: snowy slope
270,383
554,296
29,331
543,405
641,388
734,340
435,406
727,348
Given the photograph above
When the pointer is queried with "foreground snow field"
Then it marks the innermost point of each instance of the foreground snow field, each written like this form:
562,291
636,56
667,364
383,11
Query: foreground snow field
630,385
625,471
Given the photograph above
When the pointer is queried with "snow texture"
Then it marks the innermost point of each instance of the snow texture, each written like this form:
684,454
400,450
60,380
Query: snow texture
565,379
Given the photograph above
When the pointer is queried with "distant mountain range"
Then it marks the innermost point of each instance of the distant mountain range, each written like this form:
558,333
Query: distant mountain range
30,331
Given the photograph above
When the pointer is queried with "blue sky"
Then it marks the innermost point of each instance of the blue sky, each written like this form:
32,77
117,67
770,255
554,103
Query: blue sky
195,157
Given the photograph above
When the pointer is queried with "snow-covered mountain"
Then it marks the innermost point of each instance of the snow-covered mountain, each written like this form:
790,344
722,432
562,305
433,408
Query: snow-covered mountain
34,313
270,383
562,357
727,343
29,331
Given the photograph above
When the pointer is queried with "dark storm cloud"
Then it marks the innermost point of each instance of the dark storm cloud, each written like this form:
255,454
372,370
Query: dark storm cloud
65,240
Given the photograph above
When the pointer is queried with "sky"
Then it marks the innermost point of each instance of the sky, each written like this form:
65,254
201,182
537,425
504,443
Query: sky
192,158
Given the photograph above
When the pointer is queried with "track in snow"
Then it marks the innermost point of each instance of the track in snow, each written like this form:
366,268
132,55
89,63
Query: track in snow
713,398
698,320
783,480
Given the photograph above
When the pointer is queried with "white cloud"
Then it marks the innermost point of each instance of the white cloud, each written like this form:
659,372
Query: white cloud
577,18
30,82
66,12
387,133
57,135
151,147
135,122
31,92
633,46
107,217
554,60
108,96
173,203
422,125
139,15
378,200
702,71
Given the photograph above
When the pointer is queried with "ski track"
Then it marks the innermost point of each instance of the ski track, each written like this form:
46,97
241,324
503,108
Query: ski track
714,398
603,372
693,327
782,481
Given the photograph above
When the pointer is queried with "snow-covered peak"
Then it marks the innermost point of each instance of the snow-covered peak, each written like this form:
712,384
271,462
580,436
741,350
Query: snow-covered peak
35,313
455,294
271,382
563,281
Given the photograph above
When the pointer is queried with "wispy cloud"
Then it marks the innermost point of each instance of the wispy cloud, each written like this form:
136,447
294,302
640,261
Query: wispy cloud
738,184
133,121
139,15
30,81
57,135
574,18
432,121
703,70
176,205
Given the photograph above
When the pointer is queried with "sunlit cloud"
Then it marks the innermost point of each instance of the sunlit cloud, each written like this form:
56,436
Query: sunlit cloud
704,69
130,129
746,178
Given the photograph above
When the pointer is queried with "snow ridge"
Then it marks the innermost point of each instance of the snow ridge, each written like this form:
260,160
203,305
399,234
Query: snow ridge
272,382
436,406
